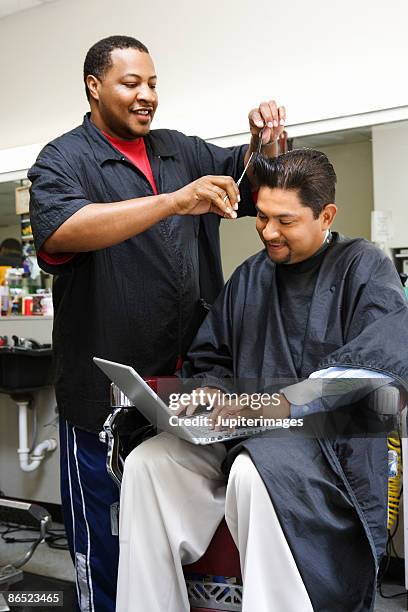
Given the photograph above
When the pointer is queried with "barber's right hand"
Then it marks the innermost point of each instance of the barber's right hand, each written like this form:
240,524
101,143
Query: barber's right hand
216,194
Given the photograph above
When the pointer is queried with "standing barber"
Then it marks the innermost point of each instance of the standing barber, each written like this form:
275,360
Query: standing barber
118,215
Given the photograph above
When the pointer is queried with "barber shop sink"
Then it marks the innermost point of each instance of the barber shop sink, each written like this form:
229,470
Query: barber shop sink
25,369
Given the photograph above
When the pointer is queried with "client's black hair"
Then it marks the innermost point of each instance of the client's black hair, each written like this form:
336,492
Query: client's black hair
306,171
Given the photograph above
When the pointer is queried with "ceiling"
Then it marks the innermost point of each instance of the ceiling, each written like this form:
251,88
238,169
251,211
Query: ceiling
10,7
334,138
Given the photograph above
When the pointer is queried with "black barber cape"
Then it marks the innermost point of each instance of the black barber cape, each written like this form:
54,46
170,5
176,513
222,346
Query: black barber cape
139,302
330,494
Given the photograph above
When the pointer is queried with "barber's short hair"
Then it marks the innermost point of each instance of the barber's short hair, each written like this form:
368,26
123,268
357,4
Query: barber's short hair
98,59
306,171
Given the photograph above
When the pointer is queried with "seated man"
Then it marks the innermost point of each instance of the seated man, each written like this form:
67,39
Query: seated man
307,513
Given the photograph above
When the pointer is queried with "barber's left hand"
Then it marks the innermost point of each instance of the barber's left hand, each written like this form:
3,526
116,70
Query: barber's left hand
269,116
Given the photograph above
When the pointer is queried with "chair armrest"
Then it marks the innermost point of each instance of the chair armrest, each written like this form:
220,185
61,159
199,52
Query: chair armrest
386,401
110,435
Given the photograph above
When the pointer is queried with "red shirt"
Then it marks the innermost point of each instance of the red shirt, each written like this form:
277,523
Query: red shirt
135,152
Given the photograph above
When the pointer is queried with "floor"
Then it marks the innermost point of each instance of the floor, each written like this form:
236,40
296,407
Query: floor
47,570
33,582
51,569
391,605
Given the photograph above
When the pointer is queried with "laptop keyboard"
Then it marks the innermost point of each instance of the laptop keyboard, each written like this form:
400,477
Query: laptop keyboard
209,435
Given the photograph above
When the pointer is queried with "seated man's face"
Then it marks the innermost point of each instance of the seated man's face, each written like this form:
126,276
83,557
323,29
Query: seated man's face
287,228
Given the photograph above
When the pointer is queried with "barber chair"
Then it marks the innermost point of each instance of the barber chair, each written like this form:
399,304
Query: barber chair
31,515
221,560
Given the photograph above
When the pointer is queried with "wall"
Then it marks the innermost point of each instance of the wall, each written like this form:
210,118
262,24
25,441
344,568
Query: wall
390,163
10,231
215,60
353,166
354,191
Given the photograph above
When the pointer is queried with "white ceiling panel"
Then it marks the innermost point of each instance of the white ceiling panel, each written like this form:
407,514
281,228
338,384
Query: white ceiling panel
9,7
332,138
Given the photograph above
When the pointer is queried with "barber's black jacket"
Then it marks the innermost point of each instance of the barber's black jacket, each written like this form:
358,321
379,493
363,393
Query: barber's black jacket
139,302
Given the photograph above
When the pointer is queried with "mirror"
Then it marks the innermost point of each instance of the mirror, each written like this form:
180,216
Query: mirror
10,228
371,164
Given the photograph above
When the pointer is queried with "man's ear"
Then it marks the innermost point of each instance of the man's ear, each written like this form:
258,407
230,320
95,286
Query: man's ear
327,215
92,83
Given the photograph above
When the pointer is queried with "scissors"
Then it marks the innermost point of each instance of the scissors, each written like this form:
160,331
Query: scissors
258,151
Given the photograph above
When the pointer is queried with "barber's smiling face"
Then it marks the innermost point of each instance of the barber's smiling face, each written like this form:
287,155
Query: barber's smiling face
125,98
287,228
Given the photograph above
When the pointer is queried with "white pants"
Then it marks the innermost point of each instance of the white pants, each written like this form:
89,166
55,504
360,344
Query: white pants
173,497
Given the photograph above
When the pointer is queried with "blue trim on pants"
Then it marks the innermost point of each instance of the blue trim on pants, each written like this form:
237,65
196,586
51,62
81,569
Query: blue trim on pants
87,493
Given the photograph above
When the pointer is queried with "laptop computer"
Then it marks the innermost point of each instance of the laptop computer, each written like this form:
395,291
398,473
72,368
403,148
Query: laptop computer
159,414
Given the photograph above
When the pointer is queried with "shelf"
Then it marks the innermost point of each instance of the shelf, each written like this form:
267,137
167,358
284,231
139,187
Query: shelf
26,318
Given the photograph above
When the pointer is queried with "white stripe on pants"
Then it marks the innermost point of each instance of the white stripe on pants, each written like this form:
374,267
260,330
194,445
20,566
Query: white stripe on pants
173,498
